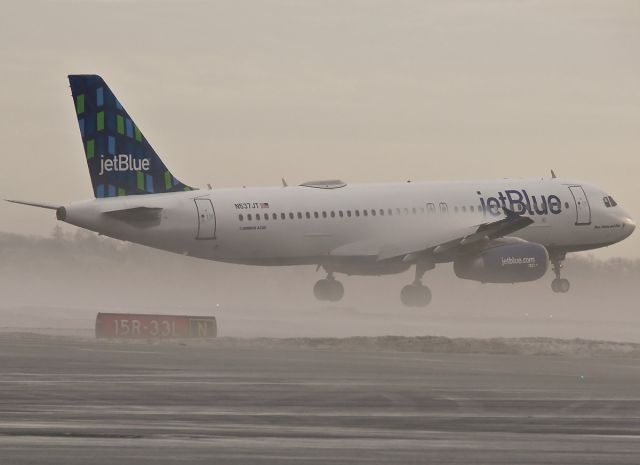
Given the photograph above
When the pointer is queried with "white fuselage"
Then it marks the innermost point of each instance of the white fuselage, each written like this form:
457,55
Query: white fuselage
318,224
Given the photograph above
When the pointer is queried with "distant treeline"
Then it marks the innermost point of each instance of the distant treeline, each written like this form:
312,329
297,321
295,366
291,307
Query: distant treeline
85,246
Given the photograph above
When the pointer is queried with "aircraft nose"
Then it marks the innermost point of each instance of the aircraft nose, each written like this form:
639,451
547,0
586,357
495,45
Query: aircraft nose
629,225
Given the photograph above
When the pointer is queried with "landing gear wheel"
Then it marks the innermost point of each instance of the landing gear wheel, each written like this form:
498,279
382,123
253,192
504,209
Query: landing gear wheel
337,291
560,285
328,290
415,295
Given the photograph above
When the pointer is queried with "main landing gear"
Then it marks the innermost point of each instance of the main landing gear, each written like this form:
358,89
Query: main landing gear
328,289
559,285
416,294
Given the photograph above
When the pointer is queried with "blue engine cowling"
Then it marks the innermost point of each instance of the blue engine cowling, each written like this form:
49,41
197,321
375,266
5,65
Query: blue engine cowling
505,263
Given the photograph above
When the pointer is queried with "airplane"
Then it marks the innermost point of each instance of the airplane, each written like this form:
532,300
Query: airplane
494,231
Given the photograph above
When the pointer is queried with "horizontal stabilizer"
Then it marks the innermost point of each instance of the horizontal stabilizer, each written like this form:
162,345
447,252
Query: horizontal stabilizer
35,204
141,217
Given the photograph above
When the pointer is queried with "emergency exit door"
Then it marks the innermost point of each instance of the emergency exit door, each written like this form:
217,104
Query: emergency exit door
206,219
583,210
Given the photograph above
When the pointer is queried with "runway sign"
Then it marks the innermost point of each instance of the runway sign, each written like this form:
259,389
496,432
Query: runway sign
145,326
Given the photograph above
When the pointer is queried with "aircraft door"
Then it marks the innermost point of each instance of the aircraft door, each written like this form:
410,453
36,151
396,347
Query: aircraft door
206,219
583,210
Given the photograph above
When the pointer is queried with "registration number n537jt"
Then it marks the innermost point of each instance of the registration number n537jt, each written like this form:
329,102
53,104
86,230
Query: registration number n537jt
249,205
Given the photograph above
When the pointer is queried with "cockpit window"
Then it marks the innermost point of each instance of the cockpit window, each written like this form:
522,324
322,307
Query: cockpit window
609,202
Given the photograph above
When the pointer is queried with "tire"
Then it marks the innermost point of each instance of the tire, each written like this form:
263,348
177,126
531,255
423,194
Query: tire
413,295
560,285
564,285
336,291
321,290
328,290
425,296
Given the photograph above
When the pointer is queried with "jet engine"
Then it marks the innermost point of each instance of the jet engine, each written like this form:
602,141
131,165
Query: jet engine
515,262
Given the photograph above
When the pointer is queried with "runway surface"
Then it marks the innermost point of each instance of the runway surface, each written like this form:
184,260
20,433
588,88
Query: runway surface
71,400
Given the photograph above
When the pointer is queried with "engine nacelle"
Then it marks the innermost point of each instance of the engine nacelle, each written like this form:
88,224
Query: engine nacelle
504,263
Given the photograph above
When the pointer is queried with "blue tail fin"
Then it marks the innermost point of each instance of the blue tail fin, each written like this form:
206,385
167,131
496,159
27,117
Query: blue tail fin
120,159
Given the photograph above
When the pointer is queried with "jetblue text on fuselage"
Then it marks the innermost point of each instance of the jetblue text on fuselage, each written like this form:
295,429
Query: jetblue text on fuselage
123,162
521,202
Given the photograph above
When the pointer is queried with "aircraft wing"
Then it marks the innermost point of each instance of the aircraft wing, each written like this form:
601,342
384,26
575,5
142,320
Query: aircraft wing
439,244
483,233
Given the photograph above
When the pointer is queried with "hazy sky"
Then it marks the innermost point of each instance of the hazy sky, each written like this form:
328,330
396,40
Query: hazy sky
244,92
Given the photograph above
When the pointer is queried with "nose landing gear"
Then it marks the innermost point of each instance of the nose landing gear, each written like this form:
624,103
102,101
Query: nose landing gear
328,289
559,285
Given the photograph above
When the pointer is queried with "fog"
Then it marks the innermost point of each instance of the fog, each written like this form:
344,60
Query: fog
59,283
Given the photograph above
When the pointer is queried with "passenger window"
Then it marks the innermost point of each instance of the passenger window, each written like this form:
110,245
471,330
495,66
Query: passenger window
299,215
471,208
333,214
291,215
274,216
340,214
365,212
315,214
349,213
357,212
431,208
324,214
613,202
266,216
258,216
283,216
406,211
413,210
390,211
464,208
240,217
606,202
249,217
308,215
373,212
381,212
444,208
455,209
